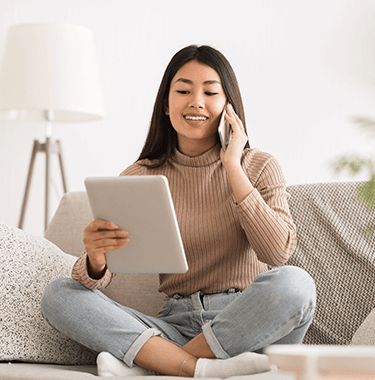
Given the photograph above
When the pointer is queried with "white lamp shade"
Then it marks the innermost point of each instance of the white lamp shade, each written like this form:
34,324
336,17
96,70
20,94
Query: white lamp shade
50,67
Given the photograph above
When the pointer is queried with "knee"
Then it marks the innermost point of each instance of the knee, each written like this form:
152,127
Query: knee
57,294
299,285
294,284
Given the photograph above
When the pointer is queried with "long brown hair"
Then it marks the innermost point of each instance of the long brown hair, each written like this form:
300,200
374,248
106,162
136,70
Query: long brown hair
161,140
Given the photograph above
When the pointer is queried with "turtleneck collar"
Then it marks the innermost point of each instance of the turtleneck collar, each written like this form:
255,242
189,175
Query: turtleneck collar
205,159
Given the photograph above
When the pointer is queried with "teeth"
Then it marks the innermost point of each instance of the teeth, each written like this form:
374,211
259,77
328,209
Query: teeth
195,118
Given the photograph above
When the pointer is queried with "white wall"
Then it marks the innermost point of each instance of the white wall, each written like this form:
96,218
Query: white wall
305,68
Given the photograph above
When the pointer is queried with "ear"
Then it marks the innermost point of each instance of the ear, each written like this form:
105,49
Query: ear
166,107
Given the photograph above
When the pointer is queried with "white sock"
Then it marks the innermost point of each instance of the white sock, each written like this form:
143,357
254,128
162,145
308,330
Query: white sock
246,363
109,366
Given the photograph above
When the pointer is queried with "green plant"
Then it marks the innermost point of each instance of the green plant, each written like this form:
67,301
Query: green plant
356,164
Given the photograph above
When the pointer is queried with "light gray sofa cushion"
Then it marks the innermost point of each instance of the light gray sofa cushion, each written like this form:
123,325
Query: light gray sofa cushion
334,247
28,264
36,371
71,217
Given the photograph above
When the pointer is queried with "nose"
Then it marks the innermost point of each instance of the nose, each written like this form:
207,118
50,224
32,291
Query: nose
196,101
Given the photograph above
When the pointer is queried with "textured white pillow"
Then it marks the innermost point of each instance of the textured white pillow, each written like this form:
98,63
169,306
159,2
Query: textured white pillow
27,265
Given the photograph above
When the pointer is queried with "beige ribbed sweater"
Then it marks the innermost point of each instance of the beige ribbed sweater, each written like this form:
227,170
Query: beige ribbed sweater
226,244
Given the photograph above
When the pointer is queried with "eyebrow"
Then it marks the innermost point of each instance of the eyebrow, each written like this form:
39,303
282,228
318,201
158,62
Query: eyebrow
188,81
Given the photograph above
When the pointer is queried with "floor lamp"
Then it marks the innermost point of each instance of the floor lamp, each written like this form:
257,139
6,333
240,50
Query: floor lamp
49,73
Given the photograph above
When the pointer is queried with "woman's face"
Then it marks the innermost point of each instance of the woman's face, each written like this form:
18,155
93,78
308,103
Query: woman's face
195,103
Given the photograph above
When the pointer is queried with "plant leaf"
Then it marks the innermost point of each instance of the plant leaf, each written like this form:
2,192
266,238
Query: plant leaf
366,193
354,164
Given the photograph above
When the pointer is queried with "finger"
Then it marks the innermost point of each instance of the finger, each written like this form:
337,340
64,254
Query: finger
102,250
105,246
107,234
93,238
233,119
232,112
102,242
99,224
103,238
111,242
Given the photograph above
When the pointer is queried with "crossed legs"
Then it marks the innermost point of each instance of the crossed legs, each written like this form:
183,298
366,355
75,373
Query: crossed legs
277,308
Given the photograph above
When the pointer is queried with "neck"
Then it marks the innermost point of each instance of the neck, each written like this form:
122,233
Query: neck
192,148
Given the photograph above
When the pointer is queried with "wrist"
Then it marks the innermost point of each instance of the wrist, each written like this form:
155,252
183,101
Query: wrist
95,270
231,164
233,169
240,183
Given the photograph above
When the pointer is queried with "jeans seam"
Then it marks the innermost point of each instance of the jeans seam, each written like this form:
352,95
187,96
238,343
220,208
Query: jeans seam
168,308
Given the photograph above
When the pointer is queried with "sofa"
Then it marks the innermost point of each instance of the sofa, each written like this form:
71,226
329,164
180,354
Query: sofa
336,245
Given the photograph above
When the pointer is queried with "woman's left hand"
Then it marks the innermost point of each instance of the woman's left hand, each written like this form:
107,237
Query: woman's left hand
232,155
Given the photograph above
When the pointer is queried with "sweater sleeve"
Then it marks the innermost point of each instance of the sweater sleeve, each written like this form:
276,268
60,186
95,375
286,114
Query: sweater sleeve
81,274
264,214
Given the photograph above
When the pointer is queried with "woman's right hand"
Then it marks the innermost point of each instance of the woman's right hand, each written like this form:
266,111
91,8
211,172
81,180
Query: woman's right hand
100,237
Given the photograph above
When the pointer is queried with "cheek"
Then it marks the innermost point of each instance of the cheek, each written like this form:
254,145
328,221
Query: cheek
217,111
174,104
174,117
215,123
218,107
175,123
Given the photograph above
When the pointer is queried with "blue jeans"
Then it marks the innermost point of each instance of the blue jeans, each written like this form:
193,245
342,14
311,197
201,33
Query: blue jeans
277,308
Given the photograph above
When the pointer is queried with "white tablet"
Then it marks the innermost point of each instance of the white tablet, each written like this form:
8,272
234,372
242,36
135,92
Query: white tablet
141,205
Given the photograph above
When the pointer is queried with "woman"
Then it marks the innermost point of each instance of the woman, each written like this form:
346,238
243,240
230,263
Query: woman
234,219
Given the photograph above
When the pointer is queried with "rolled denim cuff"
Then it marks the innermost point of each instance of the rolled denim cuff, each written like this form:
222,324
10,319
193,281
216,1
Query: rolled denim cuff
138,344
212,341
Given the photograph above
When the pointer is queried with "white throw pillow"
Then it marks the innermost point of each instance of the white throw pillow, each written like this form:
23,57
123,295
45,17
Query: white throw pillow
27,265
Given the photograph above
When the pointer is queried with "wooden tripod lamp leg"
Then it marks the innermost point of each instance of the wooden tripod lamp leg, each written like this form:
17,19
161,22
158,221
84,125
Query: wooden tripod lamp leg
48,147
36,149
59,152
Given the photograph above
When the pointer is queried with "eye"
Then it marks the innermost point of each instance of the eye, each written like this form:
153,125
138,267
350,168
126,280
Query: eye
182,92
209,93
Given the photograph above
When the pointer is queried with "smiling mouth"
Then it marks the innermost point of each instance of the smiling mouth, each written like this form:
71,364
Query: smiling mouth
196,118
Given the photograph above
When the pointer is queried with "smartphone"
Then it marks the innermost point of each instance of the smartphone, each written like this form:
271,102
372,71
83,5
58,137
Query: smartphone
225,130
